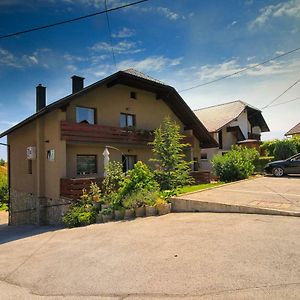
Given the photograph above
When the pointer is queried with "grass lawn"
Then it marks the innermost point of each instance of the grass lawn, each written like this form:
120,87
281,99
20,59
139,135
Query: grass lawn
199,187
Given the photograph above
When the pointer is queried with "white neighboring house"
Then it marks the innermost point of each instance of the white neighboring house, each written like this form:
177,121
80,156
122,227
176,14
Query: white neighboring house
231,123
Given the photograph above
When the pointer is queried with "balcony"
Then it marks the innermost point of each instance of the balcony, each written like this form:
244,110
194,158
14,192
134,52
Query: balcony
86,133
253,136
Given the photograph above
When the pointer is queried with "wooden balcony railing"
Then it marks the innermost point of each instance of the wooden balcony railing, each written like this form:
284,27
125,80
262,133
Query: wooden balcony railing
80,132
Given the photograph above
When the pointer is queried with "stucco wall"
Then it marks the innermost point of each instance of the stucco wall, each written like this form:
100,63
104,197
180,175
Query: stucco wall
54,170
110,102
19,140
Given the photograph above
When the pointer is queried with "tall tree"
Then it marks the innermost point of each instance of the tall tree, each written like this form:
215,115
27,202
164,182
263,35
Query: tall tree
172,170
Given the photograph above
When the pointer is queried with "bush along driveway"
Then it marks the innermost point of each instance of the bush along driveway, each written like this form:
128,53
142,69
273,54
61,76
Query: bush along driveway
263,195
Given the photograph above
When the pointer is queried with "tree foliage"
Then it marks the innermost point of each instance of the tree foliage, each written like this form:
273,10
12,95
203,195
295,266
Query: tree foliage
235,165
284,149
172,170
282,146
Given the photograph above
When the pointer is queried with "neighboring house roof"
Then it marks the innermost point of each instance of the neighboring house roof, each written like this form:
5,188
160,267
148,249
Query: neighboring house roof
294,130
137,79
216,117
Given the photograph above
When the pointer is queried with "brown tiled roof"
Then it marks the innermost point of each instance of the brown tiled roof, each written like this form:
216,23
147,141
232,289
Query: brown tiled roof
142,75
215,117
294,130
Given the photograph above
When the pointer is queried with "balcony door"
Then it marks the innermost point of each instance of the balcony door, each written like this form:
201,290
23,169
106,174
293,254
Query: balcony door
128,162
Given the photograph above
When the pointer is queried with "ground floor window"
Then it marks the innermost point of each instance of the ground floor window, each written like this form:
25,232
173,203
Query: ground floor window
196,164
128,162
86,164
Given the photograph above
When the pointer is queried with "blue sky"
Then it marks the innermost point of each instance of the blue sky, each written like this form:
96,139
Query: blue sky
181,42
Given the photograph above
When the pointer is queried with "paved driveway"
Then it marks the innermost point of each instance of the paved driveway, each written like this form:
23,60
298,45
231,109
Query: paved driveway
177,256
263,193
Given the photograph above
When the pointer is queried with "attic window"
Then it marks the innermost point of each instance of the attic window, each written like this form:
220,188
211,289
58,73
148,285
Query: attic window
133,95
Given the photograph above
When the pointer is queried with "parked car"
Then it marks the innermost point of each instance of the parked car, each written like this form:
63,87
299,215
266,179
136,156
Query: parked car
282,167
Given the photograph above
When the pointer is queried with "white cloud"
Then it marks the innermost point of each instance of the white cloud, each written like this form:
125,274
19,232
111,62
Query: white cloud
168,13
8,59
124,33
289,8
123,47
152,63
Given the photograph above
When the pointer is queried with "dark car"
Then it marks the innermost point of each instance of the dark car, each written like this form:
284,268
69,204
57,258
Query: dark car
282,167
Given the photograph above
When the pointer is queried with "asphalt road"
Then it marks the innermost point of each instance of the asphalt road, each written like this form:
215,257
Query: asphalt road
183,255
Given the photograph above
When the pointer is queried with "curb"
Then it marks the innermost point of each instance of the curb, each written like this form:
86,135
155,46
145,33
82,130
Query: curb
185,205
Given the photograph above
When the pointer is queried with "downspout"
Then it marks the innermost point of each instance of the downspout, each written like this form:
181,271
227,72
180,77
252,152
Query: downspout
8,180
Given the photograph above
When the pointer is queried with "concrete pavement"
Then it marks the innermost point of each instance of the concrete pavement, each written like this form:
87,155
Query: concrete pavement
190,256
266,195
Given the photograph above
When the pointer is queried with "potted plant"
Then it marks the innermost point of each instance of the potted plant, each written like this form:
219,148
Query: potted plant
107,214
128,205
149,200
163,207
138,202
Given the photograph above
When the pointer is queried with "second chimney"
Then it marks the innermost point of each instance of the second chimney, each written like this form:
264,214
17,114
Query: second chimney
77,83
40,97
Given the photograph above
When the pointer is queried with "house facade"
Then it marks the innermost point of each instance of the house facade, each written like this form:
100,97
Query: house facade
294,132
229,124
59,150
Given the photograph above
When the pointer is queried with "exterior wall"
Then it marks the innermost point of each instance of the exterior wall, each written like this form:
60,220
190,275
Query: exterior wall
19,140
110,102
143,154
54,170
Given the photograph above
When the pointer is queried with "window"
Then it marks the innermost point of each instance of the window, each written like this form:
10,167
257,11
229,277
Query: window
85,115
128,162
29,166
220,137
86,164
133,95
203,155
127,120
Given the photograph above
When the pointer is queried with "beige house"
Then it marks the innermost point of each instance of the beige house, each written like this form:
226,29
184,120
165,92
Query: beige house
295,131
231,123
59,150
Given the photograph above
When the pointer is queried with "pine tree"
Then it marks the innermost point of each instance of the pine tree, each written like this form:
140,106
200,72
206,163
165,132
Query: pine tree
172,171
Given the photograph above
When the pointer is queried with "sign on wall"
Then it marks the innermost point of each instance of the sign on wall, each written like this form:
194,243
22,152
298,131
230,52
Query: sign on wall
31,153
51,155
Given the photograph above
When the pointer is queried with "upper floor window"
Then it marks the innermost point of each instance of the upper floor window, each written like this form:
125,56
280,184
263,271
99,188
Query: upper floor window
133,95
85,115
127,120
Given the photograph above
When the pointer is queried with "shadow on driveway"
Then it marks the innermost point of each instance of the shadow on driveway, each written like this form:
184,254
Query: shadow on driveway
13,233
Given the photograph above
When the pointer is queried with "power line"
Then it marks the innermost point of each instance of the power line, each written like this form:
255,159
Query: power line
71,20
275,99
285,102
240,71
110,36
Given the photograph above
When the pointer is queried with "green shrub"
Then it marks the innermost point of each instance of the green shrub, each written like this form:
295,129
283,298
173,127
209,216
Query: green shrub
140,177
284,149
107,211
235,165
269,146
85,210
141,198
2,162
261,162
3,191
296,141
79,215
114,177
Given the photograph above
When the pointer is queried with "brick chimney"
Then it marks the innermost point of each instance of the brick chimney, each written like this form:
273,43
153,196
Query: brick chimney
77,83
40,97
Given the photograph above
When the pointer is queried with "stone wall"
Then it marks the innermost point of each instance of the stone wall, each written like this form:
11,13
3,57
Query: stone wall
28,209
